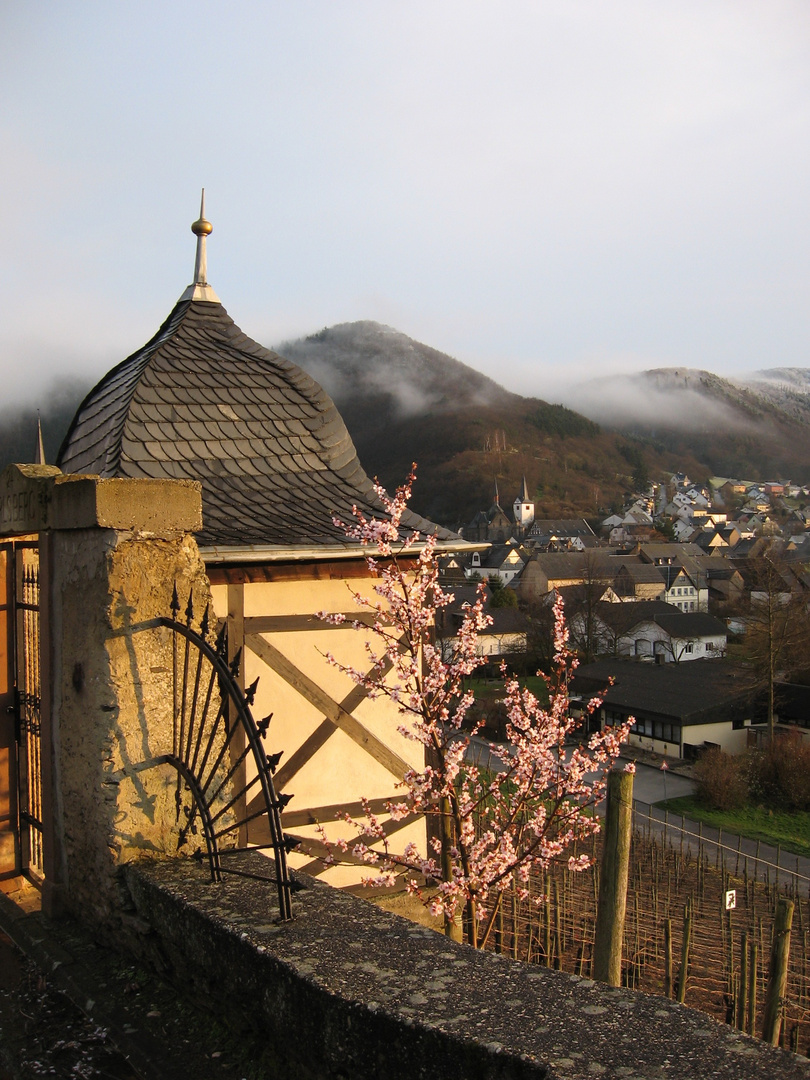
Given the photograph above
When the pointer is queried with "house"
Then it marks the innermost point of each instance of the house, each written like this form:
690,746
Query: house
546,571
504,637
679,709
676,636
553,534
684,581
201,400
647,628
635,580
505,561
724,582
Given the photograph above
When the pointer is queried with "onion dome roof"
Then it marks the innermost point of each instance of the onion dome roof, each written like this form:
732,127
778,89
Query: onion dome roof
203,401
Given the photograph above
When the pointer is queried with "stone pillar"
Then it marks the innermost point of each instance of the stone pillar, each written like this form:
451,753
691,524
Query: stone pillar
111,552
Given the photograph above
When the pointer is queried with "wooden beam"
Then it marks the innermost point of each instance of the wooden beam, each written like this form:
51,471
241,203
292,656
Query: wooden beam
236,642
287,624
325,704
294,819
310,746
320,850
336,570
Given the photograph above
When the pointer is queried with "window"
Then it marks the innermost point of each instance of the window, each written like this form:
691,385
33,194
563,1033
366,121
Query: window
689,648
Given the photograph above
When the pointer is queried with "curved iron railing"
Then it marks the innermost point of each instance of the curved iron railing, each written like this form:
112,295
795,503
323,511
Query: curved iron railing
214,738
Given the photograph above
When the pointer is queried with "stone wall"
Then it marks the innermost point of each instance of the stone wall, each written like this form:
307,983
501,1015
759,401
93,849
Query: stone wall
346,991
112,708
110,554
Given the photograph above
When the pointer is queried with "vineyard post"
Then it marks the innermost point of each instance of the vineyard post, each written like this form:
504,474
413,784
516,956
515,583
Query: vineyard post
752,988
607,956
668,958
742,1000
687,937
777,972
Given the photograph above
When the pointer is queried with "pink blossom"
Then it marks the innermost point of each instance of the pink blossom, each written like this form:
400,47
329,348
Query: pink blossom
490,831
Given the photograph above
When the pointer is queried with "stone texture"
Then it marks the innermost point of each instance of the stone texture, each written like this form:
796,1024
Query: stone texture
347,990
112,706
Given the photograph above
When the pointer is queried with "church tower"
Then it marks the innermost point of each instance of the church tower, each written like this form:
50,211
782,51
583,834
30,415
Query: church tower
523,507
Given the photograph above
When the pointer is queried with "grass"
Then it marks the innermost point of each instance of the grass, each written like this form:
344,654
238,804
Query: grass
486,689
790,829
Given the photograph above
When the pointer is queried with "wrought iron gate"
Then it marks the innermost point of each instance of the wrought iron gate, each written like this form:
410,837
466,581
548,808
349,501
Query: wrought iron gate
218,754
24,626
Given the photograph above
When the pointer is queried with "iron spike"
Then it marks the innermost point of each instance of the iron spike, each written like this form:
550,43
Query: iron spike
274,759
283,799
250,693
291,842
263,725
237,660
204,624
221,644
175,604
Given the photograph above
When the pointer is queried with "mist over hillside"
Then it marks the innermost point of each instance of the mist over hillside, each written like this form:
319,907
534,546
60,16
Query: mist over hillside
18,423
403,400
756,427
366,360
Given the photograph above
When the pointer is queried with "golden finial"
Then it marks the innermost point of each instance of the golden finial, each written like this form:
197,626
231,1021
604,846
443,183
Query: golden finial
201,228
200,289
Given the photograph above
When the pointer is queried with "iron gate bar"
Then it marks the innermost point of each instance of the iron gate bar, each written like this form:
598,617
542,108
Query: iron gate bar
25,645
194,768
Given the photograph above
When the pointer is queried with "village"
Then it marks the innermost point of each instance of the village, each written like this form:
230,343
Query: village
669,581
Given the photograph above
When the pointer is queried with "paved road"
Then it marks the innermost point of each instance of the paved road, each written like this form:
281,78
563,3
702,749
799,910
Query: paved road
653,785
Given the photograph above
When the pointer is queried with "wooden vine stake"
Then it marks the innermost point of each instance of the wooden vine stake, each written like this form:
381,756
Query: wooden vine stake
668,958
609,932
687,939
777,972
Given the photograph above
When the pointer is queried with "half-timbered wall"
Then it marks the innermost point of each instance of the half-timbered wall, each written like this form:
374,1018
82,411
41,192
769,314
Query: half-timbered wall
339,745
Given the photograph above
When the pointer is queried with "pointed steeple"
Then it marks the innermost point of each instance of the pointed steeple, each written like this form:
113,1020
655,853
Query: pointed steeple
497,496
523,507
200,289
39,453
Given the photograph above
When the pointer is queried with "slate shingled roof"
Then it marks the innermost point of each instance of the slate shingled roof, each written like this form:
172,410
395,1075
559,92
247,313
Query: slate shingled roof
701,691
203,401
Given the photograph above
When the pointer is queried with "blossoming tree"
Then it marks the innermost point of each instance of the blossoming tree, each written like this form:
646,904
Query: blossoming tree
490,827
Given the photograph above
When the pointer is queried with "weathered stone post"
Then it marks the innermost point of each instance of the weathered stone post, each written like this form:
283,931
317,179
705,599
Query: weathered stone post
607,953
110,552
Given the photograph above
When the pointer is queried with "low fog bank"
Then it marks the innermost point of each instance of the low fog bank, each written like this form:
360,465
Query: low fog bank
18,422
660,399
366,360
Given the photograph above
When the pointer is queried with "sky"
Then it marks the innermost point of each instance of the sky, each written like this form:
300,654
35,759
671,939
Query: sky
544,190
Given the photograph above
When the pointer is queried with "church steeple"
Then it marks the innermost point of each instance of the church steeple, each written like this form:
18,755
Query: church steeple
39,452
523,507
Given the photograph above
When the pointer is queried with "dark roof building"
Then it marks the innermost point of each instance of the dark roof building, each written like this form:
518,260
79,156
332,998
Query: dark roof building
203,401
680,707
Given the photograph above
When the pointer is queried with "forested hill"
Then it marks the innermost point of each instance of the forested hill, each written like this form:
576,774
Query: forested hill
404,401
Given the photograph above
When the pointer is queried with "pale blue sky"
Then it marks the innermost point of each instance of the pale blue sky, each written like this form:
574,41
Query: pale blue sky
541,189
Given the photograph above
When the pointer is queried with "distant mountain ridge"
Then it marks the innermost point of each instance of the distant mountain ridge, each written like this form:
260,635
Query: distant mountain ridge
404,400
756,427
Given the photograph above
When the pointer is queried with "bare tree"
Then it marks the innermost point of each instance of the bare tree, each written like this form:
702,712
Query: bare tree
777,629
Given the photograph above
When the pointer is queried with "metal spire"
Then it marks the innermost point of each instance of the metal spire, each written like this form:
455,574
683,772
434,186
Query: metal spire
39,453
200,289
201,229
